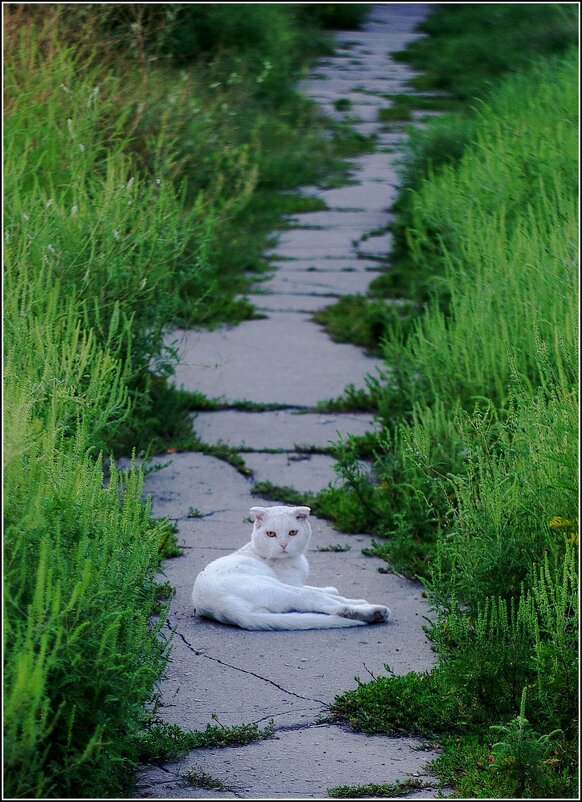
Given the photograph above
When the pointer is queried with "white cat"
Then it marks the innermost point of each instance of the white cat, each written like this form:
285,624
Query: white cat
261,586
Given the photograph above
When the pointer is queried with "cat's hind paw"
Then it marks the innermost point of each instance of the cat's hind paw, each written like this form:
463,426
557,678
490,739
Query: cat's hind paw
381,614
370,613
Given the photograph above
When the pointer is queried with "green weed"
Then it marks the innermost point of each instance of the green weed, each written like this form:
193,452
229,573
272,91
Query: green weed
473,486
198,778
353,399
384,790
162,742
456,397
342,104
365,321
487,658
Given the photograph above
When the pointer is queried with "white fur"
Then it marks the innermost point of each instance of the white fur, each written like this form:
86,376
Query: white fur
262,585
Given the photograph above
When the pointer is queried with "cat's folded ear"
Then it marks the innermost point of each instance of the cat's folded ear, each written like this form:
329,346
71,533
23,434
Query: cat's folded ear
258,513
301,513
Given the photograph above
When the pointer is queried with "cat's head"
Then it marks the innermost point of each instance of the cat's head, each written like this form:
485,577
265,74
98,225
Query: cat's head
281,532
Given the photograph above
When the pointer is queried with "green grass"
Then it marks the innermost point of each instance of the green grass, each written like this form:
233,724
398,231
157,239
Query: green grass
200,168
342,104
402,106
161,742
383,790
457,394
365,320
489,40
353,399
503,683
198,778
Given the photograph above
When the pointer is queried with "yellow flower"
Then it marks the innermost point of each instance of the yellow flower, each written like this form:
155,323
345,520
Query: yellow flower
557,521
572,538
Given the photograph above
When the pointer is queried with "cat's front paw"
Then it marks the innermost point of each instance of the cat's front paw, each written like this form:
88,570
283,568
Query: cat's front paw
332,591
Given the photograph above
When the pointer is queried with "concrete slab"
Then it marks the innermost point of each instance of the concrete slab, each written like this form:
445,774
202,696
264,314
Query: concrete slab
369,197
329,218
376,246
353,263
304,472
286,429
290,364
343,83
179,482
211,663
330,283
315,242
375,167
282,302
327,93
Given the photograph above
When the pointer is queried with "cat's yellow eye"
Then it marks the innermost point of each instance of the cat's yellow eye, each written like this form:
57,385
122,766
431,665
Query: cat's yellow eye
294,532
271,534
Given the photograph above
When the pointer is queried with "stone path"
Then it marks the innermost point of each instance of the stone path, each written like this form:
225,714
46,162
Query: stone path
286,359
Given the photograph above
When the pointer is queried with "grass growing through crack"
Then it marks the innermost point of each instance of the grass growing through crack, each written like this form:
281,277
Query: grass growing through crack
198,778
382,790
402,106
162,742
353,399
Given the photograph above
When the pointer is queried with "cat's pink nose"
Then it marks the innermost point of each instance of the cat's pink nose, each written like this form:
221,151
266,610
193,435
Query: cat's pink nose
283,546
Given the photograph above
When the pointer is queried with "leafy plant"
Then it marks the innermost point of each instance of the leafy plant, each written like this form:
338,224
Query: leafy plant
162,742
379,790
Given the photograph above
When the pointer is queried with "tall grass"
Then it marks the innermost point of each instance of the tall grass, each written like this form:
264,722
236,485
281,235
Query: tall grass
79,554
126,179
499,234
500,701
489,40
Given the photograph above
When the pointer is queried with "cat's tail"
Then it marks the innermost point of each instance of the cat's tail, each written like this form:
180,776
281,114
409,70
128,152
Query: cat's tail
266,621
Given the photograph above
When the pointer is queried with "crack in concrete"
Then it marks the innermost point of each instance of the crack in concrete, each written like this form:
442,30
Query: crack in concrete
300,725
271,716
198,653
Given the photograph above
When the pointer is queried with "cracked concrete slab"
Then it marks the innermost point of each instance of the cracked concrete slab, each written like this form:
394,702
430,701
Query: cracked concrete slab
376,246
314,242
374,167
328,757
292,365
370,197
279,673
